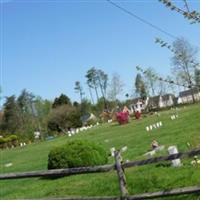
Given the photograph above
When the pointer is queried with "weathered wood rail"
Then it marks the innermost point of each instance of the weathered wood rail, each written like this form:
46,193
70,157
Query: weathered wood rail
119,166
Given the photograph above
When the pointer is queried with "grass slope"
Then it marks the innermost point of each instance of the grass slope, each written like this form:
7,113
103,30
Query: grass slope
140,179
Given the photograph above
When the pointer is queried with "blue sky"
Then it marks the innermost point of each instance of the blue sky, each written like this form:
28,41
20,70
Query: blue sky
48,45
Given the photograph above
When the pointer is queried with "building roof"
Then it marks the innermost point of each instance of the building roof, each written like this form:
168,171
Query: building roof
189,92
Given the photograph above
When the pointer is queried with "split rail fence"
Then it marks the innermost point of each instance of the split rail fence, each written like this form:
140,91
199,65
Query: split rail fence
119,166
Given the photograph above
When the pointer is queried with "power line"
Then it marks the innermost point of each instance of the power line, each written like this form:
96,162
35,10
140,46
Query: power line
141,19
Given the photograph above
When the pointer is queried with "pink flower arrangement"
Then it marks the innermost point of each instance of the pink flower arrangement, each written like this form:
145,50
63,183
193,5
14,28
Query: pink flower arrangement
122,117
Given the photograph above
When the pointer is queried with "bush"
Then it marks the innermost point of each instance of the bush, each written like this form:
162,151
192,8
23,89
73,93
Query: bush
122,117
77,153
2,143
13,139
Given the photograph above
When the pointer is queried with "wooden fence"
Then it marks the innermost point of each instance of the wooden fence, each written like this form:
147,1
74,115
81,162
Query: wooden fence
119,166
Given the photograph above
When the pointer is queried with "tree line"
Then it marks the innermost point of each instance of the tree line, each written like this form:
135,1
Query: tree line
27,113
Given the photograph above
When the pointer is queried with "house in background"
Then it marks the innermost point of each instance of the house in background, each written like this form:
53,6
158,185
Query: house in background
186,96
139,104
153,103
167,100
163,101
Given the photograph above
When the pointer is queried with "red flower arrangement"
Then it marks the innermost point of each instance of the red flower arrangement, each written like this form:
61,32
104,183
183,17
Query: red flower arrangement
122,117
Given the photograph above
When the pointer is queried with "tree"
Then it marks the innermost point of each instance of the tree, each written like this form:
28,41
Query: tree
140,86
192,16
116,87
11,121
25,101
26,112
184,52
102,81
197,78
41,109
78,89
64,117
92,81
61,100
150,80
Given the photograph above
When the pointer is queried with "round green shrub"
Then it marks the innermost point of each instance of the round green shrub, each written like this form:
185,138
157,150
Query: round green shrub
77,153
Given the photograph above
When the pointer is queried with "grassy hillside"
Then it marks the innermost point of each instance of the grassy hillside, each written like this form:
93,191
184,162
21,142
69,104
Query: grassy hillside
133,135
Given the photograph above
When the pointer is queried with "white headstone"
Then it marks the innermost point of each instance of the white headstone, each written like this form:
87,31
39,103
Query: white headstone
8,165
158,124
147,128
123,149
173,150
36,134
70,134
151,127
112,150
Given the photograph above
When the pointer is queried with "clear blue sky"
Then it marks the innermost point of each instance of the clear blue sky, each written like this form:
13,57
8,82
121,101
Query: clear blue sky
48,45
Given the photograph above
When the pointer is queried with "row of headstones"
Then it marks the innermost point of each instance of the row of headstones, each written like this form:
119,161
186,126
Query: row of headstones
173,117
159,124
78,130
22,144
154,126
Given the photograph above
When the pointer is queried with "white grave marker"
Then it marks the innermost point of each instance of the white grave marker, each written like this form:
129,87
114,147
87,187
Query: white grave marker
173,150
112,150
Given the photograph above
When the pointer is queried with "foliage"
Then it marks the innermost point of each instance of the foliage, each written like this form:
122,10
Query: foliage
92,81
77,153
78,89
192,16
103,82
140,86
122,117
2,143
97,79
116,87
150,80
64,117
11,121
9,141
61,100
197,77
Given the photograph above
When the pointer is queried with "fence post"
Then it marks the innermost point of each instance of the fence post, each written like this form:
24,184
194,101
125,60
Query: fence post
121,176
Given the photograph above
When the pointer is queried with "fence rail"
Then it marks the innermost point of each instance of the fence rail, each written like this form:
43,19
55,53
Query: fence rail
119,167
96,169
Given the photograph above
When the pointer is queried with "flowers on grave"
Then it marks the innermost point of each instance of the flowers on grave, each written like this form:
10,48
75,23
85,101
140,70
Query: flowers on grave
195,161
137,115
122,117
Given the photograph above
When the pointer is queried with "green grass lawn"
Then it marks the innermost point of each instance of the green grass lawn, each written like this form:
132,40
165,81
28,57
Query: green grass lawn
142,179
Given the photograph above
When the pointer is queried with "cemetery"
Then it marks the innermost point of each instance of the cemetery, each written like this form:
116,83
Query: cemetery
136,143
81,118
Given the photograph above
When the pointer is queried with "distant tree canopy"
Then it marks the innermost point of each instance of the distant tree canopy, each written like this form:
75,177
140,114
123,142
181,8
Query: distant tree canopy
63,118
61,100
11,121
